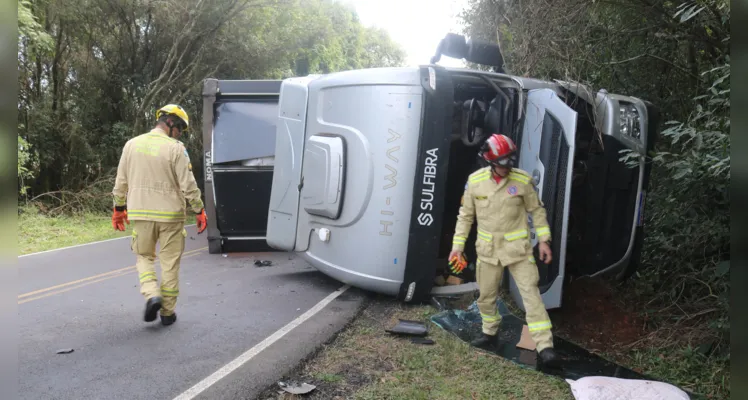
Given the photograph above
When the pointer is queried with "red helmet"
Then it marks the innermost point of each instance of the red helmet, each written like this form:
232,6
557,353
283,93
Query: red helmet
499,150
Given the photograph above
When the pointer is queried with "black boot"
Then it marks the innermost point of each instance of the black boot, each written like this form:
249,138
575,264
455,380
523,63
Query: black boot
167,320
151,309
548,357
484,340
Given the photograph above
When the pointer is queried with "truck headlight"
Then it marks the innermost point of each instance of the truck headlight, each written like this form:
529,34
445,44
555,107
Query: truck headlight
629,122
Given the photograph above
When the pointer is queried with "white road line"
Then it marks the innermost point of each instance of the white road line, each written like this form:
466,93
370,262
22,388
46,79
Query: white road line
81,245
192,392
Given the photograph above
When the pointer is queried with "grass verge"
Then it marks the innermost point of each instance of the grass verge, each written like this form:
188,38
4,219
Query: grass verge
364,362
38,232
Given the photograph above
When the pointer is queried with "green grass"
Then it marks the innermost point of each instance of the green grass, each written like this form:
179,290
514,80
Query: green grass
687,368
38,232
365,363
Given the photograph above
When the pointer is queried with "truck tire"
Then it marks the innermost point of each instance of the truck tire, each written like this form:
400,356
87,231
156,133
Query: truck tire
214,246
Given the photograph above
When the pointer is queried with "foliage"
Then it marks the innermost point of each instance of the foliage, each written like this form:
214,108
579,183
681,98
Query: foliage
40,231
675,54
24,159
92,72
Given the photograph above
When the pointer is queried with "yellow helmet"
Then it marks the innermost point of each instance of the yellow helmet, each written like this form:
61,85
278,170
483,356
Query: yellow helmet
173,109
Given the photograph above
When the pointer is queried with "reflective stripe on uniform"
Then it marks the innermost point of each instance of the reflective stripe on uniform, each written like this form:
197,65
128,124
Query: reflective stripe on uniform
485,175
485,236
459,240
543,230
521,234
167,215
197,205
519,177
540,326
169,292
119,201
531,259
147,276
489,318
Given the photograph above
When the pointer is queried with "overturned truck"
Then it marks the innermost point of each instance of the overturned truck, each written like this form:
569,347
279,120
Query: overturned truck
370,166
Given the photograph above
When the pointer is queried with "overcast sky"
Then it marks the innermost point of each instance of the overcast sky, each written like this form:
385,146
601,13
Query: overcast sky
418,25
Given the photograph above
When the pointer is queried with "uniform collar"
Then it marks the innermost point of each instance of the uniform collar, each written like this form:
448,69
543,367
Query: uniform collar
159,131
498,179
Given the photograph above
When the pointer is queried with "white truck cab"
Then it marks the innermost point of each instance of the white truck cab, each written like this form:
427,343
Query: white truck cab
370,166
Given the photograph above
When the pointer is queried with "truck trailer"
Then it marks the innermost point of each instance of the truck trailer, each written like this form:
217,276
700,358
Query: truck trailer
370,166
239,146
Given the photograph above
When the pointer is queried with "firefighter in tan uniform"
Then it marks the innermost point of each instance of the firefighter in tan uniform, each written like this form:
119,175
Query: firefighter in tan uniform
500,197
154,178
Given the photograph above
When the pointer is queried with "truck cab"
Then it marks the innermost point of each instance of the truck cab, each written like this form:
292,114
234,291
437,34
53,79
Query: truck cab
370,167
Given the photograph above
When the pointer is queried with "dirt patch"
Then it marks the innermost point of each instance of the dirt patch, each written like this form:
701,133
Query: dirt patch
593,317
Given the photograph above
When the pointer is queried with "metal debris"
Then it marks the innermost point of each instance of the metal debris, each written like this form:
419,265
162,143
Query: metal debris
296,388
263,263
65,351
410,328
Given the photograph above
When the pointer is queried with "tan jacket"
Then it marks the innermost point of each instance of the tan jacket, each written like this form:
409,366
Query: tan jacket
154,178
501,210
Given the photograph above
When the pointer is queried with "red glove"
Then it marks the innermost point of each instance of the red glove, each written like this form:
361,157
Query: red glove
118,219
458,263
202,221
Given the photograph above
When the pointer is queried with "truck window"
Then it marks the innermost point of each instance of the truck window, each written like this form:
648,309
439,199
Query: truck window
244,130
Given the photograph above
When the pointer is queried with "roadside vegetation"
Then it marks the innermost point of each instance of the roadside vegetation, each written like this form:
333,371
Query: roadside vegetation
675,54
91,75
364,362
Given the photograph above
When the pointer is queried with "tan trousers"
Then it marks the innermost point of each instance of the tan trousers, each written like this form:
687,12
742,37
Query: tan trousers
171,235
525,274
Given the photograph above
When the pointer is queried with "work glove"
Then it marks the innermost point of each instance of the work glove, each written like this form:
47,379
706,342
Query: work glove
119,218
457,263
202,221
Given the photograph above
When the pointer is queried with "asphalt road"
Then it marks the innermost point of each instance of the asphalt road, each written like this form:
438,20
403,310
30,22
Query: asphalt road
239,328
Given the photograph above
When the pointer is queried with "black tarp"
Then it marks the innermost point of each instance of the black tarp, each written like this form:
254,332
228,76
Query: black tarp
577,362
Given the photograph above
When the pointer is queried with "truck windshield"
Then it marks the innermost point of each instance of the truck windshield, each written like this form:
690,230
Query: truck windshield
244,130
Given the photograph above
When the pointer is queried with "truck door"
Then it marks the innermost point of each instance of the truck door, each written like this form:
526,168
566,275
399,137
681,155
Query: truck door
547,153
283,211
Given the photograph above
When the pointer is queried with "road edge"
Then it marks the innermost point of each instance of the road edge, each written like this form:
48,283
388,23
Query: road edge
282,358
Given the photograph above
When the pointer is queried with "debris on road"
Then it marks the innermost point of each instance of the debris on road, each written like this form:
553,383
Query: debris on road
65,351
224,255
409,328
607,388
263,263
296,388
418,340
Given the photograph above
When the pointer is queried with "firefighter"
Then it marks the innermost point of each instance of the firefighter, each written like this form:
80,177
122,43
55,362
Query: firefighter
499,197
154,178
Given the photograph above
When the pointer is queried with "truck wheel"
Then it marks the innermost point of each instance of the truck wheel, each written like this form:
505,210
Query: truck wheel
214,246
